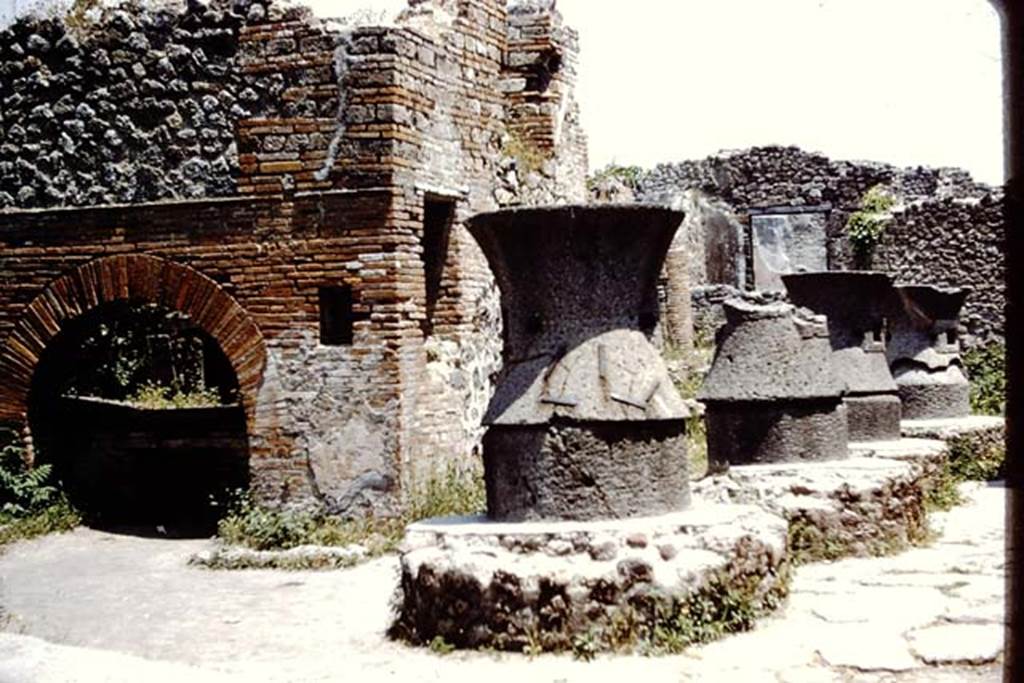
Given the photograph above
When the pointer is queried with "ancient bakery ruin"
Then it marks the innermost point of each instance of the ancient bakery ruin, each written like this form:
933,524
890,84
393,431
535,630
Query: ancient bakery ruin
372,249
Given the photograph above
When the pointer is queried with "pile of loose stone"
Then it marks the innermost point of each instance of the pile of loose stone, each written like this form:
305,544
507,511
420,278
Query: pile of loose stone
593,538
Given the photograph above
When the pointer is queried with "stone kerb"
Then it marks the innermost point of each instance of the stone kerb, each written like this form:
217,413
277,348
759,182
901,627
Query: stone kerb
552,586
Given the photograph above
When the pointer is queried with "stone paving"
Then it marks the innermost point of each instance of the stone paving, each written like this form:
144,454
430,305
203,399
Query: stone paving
93,607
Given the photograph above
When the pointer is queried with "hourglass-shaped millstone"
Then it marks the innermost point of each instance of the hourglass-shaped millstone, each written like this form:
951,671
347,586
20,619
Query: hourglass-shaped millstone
855,303
924,351
772,394
585,422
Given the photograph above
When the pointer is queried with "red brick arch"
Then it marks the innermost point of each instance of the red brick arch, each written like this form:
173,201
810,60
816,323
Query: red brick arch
128,278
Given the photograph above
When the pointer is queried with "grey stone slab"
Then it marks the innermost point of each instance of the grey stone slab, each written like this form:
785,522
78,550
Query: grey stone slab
958,643
787,243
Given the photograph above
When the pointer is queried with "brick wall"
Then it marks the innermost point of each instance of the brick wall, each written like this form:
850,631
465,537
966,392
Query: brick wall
338,138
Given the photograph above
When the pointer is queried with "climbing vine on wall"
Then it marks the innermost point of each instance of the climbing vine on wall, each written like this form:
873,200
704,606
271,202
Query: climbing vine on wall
865,227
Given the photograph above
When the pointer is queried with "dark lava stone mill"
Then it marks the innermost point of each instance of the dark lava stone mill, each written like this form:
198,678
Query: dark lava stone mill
772,394
855,303
585,422
924,351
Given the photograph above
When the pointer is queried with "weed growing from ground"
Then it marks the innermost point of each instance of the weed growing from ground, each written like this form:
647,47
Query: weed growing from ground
31,503
687,368
248,524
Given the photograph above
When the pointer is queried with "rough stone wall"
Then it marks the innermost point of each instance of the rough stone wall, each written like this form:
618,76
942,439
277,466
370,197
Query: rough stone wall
324,141
138,106
946,227
953,242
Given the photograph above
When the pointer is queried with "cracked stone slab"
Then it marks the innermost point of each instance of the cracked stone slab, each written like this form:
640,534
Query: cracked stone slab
867,648
811,484
905,607
957,643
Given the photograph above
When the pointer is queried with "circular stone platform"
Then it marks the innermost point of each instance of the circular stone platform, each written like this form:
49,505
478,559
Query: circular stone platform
655,583
860,506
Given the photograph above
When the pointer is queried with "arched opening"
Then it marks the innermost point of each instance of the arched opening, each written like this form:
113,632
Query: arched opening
138,410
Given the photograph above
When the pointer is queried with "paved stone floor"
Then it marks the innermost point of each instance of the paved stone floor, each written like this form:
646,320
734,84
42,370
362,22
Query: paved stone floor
89,606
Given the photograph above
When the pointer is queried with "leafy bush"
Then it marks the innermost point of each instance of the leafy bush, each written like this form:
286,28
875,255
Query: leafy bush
529,157
59,517
986,369
159,397
31,504
23,491
865,227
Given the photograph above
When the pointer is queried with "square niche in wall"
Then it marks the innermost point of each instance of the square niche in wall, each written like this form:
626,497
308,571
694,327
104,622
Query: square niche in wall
787,241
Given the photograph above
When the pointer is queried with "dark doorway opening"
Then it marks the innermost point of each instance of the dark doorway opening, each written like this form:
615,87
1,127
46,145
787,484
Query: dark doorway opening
438,215
337,316
137,410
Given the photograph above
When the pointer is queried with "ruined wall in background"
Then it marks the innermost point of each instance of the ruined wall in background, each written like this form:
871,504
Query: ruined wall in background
946,227
544,150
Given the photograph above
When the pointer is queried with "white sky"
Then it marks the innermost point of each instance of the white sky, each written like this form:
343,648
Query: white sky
904,81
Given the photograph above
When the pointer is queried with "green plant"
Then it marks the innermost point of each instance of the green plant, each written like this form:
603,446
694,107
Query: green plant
31,504
629,176
687,367
977,457
585,646
865,227
942,492
23,490
58,517
452,492
440,646
806,542
986,369
159,397
697,446
76,19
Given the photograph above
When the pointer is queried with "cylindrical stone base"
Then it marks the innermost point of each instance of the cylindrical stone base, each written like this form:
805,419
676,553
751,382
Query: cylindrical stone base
586,470
931,395
874,417
748,432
